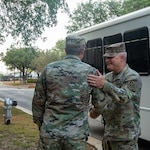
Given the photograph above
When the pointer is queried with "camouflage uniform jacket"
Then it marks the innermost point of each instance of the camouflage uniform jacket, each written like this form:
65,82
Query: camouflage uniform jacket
120,105
61,99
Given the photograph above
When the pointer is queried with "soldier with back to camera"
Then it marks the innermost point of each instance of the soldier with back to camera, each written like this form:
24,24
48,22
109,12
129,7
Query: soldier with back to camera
61,100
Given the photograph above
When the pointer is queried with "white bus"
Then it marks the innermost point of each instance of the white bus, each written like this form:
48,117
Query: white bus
134,30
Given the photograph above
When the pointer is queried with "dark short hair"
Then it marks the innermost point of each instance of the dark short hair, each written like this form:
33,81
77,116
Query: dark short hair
74,44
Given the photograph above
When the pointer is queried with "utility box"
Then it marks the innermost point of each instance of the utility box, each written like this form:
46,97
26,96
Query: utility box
8,104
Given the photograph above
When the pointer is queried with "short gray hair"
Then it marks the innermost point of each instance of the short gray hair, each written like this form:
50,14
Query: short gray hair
124,54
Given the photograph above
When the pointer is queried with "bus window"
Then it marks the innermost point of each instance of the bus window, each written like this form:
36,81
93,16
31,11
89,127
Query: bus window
111,40
137,47
93,54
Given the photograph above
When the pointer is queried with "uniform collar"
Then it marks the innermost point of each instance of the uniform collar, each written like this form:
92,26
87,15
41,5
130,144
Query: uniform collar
117,76
72,57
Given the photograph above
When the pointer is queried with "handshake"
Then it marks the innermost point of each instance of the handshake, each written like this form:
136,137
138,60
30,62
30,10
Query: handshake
93,114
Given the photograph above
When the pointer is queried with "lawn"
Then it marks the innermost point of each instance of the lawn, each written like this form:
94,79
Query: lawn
20,134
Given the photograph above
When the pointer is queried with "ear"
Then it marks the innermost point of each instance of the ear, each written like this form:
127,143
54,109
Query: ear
123,56
65,50
82,54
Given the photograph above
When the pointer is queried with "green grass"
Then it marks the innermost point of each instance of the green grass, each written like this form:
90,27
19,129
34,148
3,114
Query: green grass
20,134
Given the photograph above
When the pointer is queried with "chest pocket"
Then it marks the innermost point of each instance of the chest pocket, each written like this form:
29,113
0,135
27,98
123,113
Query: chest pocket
118,82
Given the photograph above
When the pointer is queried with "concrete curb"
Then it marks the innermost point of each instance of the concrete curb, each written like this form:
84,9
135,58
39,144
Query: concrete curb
24,110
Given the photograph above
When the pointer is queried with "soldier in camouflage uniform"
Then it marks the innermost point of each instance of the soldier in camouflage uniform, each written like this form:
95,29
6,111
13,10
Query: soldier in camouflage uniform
121,103
61,100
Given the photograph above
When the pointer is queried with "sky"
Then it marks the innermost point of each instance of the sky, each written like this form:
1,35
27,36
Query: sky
53,34
59,32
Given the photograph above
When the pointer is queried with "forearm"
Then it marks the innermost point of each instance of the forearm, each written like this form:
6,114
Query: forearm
38,102
121,95
99,100
37,111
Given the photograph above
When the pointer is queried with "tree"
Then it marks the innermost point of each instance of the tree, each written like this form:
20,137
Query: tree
94,12
20,58
57,52
48,56
86,14
27,19
60,45
113,8
130,5
39,62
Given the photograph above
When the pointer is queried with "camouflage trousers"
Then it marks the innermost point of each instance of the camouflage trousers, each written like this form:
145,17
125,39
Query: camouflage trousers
120,145
62,144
